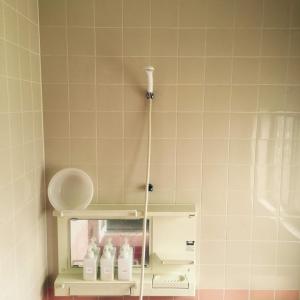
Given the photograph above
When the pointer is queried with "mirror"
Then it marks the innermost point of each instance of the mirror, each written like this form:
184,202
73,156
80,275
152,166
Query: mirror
81,232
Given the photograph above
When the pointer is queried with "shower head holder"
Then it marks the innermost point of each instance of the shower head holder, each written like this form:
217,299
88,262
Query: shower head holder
150,95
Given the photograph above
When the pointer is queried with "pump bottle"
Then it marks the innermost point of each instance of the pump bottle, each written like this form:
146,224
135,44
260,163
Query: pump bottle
125,262
107,262
90,265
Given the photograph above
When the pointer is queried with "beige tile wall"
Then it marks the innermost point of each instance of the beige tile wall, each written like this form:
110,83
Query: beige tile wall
23,258
226,120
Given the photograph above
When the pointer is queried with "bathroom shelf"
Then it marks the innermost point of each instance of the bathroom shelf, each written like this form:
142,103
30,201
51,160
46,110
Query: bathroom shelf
71,284
127,211
172,235
74,285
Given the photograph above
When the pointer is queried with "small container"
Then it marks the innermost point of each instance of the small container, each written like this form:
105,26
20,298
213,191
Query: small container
125,261
90,265
107,262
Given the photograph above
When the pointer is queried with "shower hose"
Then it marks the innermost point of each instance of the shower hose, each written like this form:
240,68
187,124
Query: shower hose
146,201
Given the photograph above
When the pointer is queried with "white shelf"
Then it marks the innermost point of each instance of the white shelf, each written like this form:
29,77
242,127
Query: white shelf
74,285
172,226
127,211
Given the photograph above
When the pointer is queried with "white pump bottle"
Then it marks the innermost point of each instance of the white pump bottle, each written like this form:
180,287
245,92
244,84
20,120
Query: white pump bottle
107,262
90,265
125,262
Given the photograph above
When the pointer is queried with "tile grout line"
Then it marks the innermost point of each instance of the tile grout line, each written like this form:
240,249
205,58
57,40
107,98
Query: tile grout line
44,156
175,193
172,84
174,111
278,217
254,183
228,148
21,97
174,27
68,84
96,105
124,181
200,225
168,56
147,100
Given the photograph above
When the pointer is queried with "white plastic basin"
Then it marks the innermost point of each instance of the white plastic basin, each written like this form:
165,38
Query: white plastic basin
69,189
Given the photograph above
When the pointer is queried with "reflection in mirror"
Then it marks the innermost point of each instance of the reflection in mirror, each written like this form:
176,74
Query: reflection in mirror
82,231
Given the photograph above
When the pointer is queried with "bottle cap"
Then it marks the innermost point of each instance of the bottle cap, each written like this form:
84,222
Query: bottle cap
126,245
90,253
125,248
106,252
109,244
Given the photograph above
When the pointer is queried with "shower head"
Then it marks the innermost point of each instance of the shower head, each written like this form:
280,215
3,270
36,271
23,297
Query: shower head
149,72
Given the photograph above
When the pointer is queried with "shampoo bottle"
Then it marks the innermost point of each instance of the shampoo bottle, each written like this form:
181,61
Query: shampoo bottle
107,262
125,262
90,265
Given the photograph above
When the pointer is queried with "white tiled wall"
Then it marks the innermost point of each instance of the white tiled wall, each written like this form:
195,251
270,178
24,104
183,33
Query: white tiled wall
226,120
23,259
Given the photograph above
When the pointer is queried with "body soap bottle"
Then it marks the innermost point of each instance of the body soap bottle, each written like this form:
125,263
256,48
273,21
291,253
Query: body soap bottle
125,262
107,262
90,265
